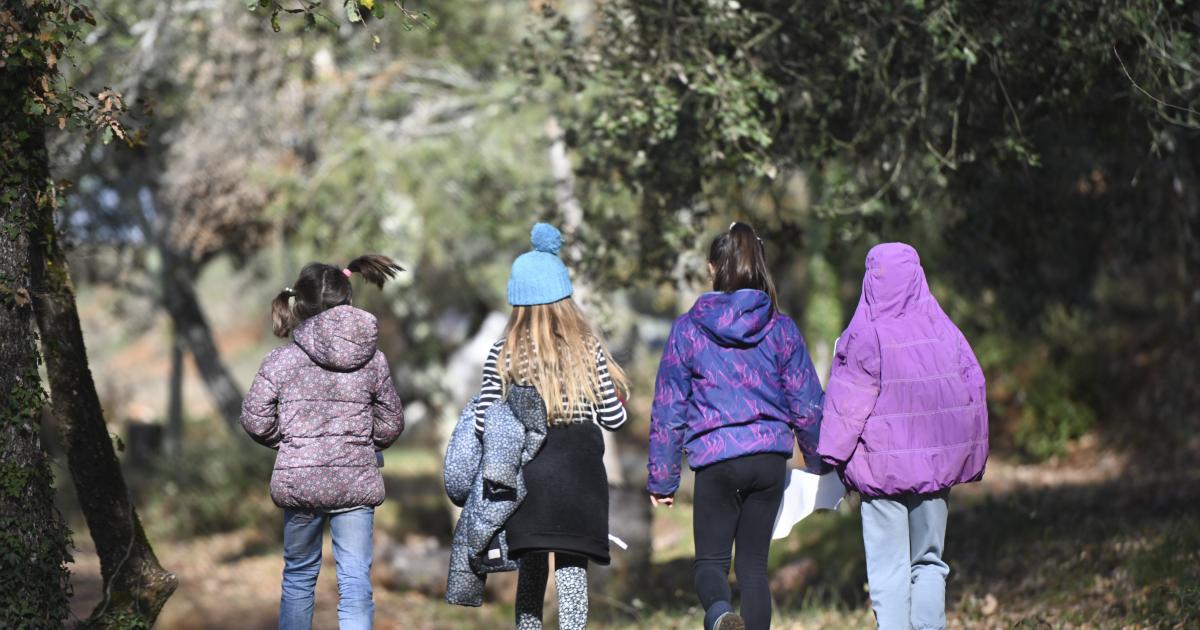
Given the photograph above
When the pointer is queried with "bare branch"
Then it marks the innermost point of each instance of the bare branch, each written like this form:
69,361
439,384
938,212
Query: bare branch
1189,124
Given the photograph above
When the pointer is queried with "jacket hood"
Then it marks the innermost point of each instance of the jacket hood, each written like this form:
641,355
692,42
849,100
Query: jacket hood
894,283
739,319
341,338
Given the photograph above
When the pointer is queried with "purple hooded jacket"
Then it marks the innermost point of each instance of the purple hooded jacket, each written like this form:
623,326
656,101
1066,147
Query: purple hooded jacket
735,379
327,402
906,406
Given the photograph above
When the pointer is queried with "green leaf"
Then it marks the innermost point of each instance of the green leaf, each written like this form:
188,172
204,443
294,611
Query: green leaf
378,10
352,12
969,55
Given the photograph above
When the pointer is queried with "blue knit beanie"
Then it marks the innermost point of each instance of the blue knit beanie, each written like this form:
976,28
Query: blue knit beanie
539,276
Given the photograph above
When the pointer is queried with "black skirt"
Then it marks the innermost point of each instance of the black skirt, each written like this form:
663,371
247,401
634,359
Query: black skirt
566,505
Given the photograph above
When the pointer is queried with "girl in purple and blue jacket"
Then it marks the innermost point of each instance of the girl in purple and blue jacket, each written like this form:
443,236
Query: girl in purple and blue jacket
905,420
735,390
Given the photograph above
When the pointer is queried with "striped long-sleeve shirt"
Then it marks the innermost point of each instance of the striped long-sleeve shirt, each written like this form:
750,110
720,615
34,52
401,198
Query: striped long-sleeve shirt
610,414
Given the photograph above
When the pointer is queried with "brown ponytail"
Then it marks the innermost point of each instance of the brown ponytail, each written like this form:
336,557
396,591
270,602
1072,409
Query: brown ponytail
321,287
375,268
739,262
282,318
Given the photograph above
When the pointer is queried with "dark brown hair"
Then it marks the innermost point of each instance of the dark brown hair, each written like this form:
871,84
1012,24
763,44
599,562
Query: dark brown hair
321,287
739,262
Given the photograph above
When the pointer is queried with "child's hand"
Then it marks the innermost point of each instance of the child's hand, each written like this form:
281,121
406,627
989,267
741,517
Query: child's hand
667,500
820,468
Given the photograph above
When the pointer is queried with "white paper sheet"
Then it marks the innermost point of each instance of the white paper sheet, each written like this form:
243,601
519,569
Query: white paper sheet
804,494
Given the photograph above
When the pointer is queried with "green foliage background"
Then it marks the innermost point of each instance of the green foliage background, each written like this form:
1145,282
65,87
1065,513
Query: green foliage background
1035,153
1043,157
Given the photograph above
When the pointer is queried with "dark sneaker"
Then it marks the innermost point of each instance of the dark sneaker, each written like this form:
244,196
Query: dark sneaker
730,621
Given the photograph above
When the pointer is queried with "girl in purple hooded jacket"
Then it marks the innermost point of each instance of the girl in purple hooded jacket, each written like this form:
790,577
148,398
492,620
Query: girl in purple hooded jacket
905,419
735,390
327,404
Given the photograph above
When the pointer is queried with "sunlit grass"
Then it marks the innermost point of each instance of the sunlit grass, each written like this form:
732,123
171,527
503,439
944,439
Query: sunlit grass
411,461
673,537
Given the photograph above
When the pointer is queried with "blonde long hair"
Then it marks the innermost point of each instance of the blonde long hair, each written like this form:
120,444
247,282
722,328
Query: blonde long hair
553,347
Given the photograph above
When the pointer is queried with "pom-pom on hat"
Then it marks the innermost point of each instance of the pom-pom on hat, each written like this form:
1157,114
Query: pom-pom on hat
539,276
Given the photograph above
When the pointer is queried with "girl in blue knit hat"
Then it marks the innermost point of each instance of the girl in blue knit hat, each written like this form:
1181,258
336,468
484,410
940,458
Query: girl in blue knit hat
550,346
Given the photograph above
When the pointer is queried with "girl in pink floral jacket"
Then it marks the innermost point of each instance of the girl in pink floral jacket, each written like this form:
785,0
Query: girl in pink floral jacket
326,402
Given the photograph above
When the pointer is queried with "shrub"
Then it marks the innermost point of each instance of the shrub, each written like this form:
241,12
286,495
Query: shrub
1051,417
213,487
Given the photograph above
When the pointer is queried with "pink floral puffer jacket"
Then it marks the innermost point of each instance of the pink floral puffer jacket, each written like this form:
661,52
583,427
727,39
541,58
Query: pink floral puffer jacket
327,403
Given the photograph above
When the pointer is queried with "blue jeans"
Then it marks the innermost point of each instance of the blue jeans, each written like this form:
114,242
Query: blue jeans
352,549
904,537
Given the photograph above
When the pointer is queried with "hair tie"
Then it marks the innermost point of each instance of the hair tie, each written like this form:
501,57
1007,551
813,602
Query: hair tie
289,291
760,241
346,272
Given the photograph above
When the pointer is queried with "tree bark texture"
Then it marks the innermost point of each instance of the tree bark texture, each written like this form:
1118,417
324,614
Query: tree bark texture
34,542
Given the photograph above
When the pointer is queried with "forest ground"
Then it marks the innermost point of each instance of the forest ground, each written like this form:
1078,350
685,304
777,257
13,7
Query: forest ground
1076,543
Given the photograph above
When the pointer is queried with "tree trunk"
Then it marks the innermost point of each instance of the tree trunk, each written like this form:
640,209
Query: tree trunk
182,304
175,397
135,585
629,514
34,543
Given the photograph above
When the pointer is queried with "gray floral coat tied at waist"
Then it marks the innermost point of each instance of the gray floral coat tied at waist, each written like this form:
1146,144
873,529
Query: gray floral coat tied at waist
483,476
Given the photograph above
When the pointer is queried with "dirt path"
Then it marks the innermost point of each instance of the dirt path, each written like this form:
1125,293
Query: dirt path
225,583
1074,544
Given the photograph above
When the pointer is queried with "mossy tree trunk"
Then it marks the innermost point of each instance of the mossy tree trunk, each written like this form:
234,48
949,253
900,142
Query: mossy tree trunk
34,542
35,288
135,584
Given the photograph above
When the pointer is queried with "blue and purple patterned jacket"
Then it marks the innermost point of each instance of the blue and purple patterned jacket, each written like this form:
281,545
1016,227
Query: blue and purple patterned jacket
735,379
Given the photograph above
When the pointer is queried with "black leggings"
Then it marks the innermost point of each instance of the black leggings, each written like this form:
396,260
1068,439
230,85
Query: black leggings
737,500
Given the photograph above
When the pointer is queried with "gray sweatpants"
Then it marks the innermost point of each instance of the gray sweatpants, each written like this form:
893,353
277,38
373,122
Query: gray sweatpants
904,537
